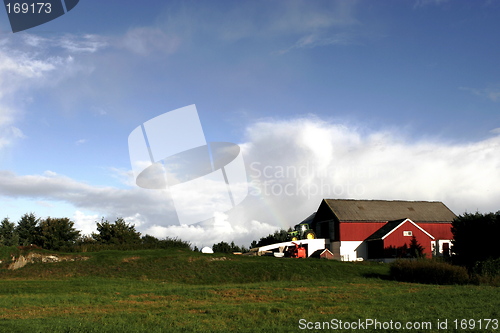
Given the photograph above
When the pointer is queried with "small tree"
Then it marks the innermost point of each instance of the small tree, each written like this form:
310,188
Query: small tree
150,240
28,230
222,247
118,233
8,235
56,233
415,250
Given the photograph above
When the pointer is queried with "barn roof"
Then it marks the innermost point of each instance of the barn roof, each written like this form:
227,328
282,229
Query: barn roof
309,219
349,210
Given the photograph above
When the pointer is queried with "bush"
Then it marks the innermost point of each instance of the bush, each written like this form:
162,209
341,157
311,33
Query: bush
475,238
117,233
490,268
428,271
147,243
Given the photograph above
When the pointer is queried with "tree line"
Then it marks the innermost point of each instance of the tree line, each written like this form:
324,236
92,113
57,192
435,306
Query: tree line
59,234
278,236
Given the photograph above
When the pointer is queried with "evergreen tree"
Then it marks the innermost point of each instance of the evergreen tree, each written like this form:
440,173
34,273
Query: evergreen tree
8,235
415,250
28,230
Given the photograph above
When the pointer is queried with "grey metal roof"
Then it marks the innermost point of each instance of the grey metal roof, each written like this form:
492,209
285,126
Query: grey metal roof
384,210
309,219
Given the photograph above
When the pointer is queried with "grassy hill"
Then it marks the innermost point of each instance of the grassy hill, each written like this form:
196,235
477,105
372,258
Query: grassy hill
183,291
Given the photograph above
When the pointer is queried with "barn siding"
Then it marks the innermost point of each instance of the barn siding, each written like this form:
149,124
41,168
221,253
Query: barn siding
355,231
325,223
438,230
397,239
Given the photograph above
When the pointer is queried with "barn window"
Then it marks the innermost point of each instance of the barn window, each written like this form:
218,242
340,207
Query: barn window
407,233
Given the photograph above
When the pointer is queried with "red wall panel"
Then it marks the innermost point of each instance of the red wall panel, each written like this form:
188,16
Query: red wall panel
358,231
397,239
438,230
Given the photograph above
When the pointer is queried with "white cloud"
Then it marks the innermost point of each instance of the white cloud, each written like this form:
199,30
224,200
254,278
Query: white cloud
85,223
293,165
316,160
21,71
423,3
81,141
219,230
315,40
491,93
110,201
86,43
146,40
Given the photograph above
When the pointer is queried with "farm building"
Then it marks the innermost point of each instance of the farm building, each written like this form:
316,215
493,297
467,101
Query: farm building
373,229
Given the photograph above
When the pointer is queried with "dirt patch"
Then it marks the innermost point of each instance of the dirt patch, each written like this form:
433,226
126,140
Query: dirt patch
129,259
192,259
219,259
31,258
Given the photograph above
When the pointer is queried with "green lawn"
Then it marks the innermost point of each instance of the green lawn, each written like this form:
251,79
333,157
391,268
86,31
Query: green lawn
182,291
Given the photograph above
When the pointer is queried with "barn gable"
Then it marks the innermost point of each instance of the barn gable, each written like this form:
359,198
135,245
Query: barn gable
392,226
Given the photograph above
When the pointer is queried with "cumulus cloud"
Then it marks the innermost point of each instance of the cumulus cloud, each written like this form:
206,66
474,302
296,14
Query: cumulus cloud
111,202
316,160
292,165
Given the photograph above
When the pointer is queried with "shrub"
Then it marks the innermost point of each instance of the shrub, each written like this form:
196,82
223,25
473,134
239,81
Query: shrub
488,268
87,244
475,238
428,271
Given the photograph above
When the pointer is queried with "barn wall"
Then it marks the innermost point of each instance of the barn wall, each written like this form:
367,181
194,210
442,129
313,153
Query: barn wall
351,250
325,223
439,247
397,239
358,231
438,230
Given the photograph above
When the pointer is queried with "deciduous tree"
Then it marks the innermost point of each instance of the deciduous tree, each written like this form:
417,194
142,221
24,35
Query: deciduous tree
56,233
475,238
116,233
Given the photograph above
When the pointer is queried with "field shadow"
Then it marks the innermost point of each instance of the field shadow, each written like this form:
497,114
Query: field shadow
379,276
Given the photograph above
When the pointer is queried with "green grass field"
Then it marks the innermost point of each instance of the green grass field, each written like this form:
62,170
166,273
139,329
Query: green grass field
183,291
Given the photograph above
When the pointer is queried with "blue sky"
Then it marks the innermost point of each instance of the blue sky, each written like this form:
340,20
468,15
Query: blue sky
375,100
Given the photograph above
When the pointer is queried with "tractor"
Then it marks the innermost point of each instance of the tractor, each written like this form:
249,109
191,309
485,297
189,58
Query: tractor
302,231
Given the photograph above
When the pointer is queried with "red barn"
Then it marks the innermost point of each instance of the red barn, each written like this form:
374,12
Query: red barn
372,229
